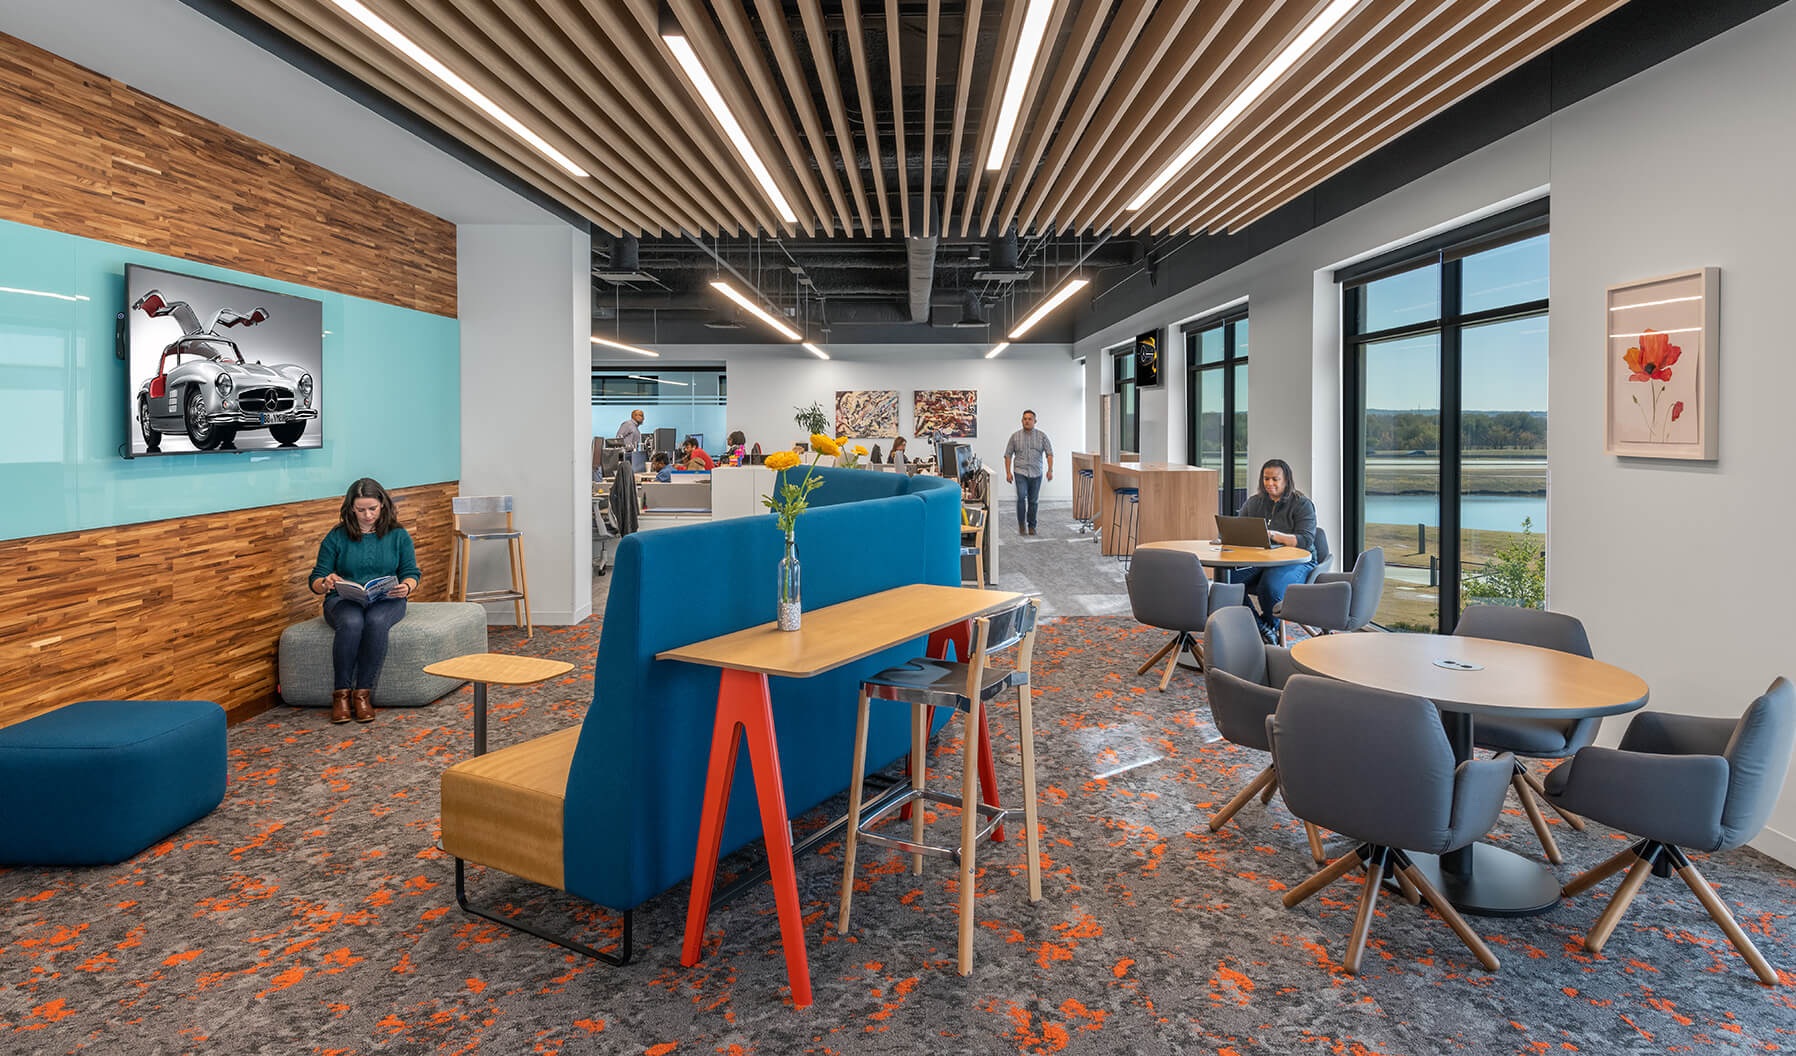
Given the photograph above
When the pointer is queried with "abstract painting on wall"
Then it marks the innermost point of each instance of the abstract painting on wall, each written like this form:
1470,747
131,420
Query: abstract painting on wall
863,413
953,411
1659,378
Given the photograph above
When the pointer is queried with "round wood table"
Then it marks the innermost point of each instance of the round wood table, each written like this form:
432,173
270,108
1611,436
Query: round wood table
503,669
1467,677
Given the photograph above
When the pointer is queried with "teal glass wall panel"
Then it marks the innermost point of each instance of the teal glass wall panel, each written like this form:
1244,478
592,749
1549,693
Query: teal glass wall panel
392,375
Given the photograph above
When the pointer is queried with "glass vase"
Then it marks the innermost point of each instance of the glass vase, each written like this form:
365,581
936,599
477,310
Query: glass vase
790,606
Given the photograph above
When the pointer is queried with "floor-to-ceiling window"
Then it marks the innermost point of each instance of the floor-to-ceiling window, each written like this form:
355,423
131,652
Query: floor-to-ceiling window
1216,402
1446,419
1128,401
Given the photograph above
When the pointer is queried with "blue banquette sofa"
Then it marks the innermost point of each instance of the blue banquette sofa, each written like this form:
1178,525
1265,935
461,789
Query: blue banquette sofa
610,810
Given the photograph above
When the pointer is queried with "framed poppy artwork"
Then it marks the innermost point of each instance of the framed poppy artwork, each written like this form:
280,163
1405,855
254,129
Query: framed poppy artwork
1660,359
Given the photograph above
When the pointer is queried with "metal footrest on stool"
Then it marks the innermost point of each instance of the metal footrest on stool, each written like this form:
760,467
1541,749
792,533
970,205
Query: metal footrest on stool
994,817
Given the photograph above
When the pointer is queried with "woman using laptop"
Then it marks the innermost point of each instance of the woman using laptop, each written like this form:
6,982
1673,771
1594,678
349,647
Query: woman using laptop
1290,521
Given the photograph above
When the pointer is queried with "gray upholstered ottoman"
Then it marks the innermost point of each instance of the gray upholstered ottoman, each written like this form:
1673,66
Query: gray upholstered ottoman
431,631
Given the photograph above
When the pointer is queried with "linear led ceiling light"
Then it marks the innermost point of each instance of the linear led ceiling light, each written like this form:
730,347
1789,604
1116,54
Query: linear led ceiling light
659,381
1042,310
815,351
695,72
756,310
1022,64
1269,76
997,348
608,343
379,27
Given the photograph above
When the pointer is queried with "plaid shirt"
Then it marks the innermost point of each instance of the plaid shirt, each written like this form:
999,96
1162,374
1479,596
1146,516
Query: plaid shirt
1025,449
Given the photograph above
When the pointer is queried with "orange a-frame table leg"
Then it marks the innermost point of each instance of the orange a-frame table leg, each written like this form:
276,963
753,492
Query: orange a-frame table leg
960,635
743,702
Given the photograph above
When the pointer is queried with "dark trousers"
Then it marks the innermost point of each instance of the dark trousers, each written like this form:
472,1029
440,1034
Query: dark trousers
1028,493
361,643
1268,585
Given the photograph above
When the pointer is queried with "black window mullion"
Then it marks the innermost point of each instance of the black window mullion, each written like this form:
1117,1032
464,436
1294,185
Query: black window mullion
1353,461
1451,328
1226,434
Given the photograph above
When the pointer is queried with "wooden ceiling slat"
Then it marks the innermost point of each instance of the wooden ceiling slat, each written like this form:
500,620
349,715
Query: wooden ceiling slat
527,102
1068,65
798,89
1239,54
772,103
1010,29
969,46
1479,70
932,36
373,64
1293,106
643,52
1000,178
505,55
895,59
824,62
1118,95
701,33
855,29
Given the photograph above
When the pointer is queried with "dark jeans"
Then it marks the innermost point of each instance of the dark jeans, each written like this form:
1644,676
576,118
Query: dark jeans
1268,585
1028,493
361,643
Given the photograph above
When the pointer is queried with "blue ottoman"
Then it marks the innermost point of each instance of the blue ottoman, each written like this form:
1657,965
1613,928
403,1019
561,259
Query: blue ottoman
106,778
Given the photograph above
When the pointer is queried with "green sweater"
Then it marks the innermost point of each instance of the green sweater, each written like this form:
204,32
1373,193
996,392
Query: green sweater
360,560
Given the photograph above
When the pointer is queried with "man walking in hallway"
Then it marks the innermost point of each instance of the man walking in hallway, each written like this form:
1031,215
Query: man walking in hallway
1025,457
630,432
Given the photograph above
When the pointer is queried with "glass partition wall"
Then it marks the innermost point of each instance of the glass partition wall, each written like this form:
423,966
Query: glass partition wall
1216,403
1446,419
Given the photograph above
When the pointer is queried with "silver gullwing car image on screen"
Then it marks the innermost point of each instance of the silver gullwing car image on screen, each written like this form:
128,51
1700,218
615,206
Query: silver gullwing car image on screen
204,388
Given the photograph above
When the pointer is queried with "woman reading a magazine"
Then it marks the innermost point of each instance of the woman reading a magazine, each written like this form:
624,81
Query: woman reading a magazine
366,569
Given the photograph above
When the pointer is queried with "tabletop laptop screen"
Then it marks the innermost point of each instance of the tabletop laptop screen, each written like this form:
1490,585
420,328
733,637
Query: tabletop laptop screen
1243,531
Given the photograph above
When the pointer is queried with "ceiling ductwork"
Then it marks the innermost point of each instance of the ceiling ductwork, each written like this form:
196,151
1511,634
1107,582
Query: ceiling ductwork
1003,265
920,259
625,265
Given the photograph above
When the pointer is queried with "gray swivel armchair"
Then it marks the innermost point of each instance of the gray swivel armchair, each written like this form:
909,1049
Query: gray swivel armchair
1531,738
1244,676
1336,601
1376,767
1168,589
1680,782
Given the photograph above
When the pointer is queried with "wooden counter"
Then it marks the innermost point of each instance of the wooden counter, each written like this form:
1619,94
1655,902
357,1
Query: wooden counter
1083,502
1177,502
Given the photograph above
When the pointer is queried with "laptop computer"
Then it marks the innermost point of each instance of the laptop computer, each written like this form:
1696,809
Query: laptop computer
1243,531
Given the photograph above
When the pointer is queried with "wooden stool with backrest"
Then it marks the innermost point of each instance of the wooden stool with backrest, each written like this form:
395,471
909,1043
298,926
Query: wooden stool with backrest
475,518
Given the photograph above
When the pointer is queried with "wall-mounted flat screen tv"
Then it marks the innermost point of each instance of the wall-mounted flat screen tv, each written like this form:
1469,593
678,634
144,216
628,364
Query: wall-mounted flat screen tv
219,367
1147,359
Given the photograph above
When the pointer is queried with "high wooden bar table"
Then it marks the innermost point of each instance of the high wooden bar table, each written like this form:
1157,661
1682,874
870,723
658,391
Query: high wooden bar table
1177,502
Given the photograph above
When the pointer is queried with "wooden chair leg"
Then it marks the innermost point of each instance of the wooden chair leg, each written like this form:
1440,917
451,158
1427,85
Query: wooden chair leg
1315,838
1598,937
1328,875
855,779
1362,920
1535,818
1271,789
1267,778
1597,875
1031,838
1172,663
462,585
1158,653
454,566
1452,917
1411,893
919,759
969,825
1541,790
1712,902
524,589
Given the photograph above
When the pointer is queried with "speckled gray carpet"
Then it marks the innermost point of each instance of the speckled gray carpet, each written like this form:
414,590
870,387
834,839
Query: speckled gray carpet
311,913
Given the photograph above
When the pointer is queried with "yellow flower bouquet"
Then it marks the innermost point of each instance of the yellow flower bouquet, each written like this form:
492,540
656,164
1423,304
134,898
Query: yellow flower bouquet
788,500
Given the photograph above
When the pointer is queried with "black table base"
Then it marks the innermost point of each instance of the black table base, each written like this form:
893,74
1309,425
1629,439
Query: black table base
1499,884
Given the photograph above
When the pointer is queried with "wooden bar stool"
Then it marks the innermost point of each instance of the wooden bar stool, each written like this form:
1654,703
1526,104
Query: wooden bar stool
967,687
484,509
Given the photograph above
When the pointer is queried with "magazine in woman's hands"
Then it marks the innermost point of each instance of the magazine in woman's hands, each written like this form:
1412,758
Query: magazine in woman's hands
366,593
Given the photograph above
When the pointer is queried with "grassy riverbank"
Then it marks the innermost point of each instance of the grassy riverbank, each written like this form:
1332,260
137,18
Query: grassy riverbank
1409,600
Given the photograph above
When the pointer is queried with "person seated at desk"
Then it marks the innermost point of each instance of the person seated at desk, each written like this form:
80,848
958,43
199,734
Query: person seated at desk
737,452
663,469
1290,521
694,457
897,457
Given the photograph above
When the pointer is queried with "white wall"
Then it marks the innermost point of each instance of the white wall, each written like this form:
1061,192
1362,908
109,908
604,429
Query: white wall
1682,166
767,383
525,310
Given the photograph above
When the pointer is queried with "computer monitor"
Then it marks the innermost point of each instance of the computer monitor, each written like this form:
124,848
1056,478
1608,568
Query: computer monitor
951,458
700,438
664,439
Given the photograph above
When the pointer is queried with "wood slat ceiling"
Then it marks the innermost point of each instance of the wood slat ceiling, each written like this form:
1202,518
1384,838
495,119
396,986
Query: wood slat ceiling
875,116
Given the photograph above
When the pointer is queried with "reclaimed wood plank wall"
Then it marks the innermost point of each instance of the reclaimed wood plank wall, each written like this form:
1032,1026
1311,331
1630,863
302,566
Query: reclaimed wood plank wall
185,609
87,155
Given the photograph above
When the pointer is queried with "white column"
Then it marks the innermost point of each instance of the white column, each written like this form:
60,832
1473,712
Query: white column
525,305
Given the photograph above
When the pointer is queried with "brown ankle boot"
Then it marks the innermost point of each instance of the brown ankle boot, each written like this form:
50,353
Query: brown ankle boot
339,705
364,705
